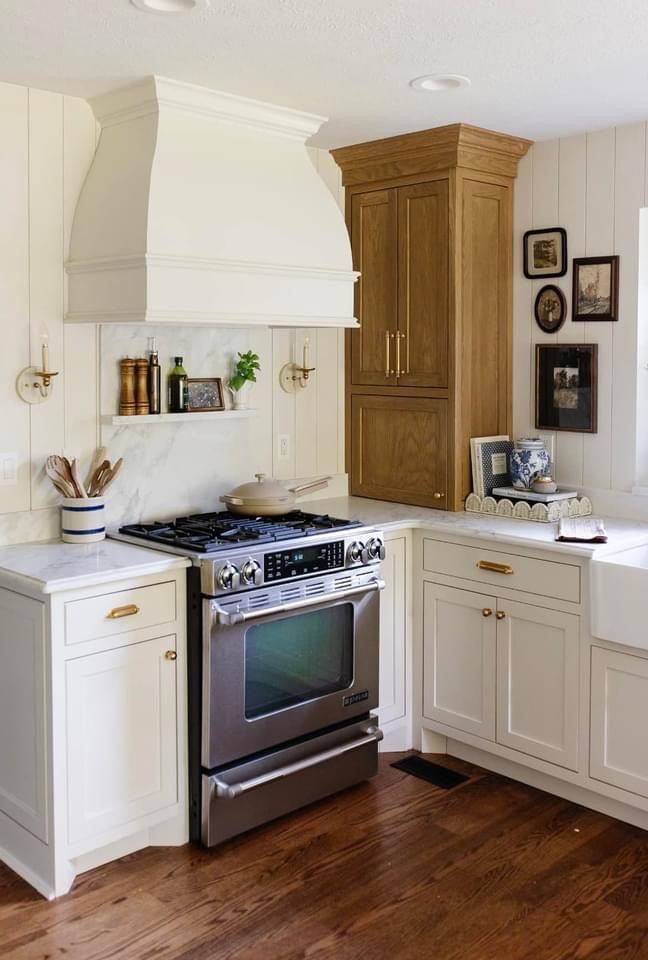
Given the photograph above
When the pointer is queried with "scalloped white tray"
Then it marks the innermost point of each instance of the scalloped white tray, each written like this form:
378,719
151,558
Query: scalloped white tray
539,512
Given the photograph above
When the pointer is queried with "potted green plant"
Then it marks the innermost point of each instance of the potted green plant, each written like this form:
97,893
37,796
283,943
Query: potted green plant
242,379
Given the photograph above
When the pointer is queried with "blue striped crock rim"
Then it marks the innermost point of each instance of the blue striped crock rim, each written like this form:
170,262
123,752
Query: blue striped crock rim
98,506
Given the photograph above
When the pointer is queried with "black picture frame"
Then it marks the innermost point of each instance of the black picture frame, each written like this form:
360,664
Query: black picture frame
205,394
566,387
545,253
597,305
545,296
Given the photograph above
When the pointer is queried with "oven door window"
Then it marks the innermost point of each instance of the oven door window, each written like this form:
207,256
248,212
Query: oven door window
297,659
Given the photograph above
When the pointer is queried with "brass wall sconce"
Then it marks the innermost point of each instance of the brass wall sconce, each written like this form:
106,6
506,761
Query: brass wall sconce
33,384
292,376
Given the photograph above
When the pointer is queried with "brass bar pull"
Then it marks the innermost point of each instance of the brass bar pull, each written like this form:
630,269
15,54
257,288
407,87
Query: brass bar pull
128,611
500,614
171,655
387,351
495,567
487,612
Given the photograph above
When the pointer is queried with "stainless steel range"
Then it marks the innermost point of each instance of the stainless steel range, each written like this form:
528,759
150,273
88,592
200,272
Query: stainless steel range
283,661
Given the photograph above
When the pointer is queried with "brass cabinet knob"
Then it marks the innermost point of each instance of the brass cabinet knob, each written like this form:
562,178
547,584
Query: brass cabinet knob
171,655
487,612
500,614
438,496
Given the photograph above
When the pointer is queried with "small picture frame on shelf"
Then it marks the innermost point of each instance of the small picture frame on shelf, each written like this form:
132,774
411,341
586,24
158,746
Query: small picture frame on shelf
566,387
491,463
550,308
545,253
595,294
205,394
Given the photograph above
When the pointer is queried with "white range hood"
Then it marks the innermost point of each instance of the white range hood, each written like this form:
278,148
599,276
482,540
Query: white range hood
203,207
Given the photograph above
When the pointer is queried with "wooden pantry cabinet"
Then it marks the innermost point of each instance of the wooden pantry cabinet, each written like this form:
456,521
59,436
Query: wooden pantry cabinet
430,219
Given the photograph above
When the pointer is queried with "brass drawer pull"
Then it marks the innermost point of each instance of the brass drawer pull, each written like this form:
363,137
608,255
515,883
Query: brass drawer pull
171,655
128,611
500,614
495,567
487,612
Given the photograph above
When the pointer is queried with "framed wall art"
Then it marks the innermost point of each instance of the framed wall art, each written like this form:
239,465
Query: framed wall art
595,288
545,253
205,394
550,308
566,386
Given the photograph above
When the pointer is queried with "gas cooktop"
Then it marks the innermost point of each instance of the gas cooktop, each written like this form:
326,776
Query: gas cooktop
216,532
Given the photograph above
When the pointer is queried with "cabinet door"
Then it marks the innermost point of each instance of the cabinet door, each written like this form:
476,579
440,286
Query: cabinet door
459,643
619,720
538,682
374,241
399,449
393,629
122,736
424,284
23,715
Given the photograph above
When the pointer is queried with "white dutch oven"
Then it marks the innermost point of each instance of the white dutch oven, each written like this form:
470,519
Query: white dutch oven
268,498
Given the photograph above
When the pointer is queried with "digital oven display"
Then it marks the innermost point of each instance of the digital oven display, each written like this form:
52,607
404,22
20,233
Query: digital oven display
298,563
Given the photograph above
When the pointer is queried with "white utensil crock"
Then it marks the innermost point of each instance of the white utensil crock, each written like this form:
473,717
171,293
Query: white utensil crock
82,520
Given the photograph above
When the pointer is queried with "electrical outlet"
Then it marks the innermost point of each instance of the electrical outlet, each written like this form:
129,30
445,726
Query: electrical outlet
8,469
283,446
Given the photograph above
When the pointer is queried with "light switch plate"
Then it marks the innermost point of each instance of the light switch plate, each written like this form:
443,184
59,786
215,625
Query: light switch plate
8,469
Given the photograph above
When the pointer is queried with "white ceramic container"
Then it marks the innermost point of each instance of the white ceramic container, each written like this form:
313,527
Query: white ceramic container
83,520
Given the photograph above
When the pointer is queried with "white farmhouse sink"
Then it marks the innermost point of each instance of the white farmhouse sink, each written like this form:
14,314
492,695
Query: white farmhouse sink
619,600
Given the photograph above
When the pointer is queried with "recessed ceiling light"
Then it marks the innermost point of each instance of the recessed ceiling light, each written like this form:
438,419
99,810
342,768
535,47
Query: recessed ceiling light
438,82
170,6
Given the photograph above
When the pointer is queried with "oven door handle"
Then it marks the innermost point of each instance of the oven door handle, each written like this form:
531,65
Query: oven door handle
230,791
224,617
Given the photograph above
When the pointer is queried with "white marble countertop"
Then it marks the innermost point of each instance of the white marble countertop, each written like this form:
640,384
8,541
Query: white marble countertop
622,534
42,568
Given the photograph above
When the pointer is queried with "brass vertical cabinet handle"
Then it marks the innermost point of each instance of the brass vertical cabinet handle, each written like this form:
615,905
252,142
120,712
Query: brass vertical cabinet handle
495,567
118,612
388,370
398,343
500,614
487,612
171,655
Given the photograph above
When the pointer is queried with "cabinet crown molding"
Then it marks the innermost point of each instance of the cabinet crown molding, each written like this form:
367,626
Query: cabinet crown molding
429,151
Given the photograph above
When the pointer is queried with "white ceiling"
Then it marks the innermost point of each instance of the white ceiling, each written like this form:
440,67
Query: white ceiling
539,68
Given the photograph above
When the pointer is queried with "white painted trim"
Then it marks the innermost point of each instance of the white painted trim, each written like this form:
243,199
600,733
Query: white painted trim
167,261
142,99
194,316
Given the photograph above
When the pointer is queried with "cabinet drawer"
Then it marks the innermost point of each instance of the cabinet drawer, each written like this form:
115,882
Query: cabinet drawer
547,578
113,613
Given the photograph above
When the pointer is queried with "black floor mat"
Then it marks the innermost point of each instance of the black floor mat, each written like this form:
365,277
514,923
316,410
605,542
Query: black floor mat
432,772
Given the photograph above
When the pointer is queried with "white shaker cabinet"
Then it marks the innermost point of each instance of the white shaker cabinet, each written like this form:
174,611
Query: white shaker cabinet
394,710
459,643
619,720
537,681
92,723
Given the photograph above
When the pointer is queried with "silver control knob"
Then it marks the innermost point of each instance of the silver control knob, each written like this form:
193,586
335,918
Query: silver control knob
252,573
228,577
355,552
376,549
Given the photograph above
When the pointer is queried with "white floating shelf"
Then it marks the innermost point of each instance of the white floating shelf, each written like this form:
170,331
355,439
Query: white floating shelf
150,418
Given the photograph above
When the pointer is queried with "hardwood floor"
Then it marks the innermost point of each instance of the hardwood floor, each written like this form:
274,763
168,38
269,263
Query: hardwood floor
395,869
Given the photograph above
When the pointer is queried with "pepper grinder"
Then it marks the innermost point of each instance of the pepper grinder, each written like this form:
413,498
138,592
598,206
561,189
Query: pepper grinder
127,403
141,387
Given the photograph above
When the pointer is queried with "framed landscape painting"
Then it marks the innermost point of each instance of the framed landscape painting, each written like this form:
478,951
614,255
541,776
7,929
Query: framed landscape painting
595,294
566,386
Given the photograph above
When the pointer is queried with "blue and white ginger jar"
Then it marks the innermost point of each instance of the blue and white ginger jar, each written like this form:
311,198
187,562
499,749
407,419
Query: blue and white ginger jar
529,461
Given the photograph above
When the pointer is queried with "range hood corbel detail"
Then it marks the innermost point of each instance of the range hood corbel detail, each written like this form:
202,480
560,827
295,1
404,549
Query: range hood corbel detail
202,207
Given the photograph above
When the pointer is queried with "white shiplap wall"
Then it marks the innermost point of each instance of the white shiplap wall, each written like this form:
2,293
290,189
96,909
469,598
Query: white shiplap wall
46,146
594,185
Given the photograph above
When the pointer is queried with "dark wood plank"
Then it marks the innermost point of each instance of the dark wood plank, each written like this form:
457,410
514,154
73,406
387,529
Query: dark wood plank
395,868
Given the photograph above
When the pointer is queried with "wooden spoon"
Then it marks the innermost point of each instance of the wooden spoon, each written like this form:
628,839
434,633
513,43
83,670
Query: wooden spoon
74,470
99,457
112,473
99,476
